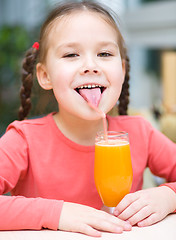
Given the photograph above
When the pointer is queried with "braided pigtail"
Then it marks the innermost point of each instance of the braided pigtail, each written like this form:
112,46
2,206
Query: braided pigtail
124,96
27,82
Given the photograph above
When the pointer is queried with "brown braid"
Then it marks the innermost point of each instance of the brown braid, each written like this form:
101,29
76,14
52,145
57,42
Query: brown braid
124,96
27,82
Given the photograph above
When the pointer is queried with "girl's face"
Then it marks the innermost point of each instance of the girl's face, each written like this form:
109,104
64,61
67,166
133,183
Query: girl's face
83,52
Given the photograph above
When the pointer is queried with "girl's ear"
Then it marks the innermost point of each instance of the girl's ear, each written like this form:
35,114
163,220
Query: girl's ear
123,68
42,77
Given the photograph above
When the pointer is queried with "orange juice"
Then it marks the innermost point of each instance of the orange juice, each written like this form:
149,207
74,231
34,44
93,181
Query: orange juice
113,170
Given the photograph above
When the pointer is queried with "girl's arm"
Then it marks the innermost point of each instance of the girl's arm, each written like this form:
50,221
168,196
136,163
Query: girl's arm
87,220
18,212
149,206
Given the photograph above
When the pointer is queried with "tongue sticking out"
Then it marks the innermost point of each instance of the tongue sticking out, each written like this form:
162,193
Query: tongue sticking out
92,95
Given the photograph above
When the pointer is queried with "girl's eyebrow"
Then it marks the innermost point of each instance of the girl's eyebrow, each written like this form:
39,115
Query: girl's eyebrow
108,43
70,44
100,44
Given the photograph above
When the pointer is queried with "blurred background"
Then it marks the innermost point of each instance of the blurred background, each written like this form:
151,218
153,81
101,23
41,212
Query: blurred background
149,29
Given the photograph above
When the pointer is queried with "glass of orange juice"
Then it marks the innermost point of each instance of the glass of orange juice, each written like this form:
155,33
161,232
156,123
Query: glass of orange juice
113,169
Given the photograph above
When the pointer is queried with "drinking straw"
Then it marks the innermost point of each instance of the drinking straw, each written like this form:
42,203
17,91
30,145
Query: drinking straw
103,115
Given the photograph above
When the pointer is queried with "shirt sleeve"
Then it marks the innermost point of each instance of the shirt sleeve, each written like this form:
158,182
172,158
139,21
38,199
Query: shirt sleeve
162,157
19,212
13,158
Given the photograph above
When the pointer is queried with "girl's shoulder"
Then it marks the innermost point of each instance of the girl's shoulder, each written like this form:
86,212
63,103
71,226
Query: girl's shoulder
135,125
127,119
31,124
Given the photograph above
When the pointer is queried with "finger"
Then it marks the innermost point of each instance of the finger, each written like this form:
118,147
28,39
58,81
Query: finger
112,223
153,218
88,230
115,220
108,227
131,210
140,215
125,202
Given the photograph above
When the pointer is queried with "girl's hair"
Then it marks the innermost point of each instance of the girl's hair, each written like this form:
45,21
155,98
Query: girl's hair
33,54
124,96
27,82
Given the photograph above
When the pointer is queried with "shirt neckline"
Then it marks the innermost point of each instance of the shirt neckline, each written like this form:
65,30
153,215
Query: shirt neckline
67,141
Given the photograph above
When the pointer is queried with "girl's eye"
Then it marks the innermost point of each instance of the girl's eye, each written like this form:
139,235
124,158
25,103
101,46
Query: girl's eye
70,55
104,54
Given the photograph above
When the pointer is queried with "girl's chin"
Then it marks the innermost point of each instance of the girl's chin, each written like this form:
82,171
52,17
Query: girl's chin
93,117
90,115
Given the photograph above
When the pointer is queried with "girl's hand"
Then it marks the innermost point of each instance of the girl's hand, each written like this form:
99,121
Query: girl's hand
79,218
146,207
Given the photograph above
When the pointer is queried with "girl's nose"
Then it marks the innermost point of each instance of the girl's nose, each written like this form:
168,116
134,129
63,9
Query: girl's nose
90,67
87,70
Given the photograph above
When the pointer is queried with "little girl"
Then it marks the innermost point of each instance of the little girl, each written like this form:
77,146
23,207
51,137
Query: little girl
47,163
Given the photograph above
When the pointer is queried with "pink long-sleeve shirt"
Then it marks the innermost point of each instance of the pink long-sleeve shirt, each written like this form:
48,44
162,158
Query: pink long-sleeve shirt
42,168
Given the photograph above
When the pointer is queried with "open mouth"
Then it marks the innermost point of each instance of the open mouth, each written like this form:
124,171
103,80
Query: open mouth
91,93
89,86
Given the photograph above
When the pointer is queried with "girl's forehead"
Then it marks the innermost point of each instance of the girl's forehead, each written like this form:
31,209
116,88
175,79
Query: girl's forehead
85,26
80,19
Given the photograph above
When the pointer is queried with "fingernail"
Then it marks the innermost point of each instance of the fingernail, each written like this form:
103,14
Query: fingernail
127,226
119,229
140,224
116,213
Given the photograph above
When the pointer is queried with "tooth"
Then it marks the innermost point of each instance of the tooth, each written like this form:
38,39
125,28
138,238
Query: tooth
85,86
93,85
81,87
89,86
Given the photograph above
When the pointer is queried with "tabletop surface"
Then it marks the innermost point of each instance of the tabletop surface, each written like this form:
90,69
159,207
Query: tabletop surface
166,229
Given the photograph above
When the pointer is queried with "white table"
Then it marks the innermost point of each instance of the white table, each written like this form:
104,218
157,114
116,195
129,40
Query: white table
164,230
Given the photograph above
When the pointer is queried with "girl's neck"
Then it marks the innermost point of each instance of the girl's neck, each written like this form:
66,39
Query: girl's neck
78,130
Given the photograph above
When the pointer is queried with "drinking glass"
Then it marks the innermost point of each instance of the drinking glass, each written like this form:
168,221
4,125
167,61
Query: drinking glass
113,169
